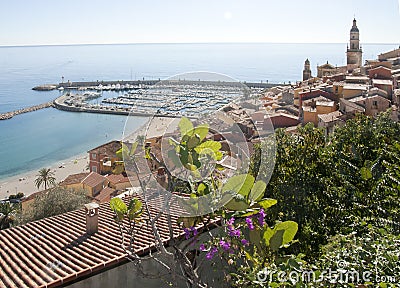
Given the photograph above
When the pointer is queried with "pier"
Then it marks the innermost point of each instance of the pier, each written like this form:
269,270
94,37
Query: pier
9,115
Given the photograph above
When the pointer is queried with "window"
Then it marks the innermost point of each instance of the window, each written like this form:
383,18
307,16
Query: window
93,155
94,169
375,103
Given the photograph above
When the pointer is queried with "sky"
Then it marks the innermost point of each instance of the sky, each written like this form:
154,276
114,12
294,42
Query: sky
53,22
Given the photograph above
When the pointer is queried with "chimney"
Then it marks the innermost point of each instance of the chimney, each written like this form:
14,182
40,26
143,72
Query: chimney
92,218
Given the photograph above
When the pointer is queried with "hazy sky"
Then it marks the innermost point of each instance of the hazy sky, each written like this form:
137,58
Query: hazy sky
31,22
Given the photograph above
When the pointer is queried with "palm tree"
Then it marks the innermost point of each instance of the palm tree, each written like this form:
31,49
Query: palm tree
7,214
45,177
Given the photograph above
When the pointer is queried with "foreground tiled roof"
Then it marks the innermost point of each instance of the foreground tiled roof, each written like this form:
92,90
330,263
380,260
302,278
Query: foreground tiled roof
57,250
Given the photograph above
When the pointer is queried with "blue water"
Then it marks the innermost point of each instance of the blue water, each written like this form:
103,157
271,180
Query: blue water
31,141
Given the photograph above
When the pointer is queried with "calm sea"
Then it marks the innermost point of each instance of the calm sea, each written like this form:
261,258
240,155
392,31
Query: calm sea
34,140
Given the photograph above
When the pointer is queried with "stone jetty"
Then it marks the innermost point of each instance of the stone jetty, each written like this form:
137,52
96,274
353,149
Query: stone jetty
9,115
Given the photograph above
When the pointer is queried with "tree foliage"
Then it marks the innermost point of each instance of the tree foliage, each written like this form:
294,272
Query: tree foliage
328,185
55,201
8,213
45,177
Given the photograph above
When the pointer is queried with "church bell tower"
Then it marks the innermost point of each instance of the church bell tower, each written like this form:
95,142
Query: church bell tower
354,52
307,70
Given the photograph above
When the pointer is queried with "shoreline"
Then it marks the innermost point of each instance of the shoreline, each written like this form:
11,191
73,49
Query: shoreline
25,182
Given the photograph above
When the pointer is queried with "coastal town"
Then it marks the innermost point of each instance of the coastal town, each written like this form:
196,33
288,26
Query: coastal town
326,100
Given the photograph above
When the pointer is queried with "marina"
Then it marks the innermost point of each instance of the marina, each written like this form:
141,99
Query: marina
168,99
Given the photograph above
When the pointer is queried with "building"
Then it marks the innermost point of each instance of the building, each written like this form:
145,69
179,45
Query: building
311,93
326,70
373,105
103,158
383,84
389,55
282,120
350,109
330,121
354,51
307,70
380,72
119,182
94,183
314,108
352,90
96,186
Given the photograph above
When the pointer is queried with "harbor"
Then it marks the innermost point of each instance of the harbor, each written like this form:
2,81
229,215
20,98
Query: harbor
170,98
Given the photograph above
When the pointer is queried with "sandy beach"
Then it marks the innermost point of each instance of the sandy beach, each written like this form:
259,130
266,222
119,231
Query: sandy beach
25,182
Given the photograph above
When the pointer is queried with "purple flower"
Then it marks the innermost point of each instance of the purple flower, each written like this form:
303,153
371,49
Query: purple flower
244,242
234,233
249,222
187,233
211,253
261,216
230,221
202,247
225,245
195,232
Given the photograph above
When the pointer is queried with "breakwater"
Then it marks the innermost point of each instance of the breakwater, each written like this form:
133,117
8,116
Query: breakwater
9,115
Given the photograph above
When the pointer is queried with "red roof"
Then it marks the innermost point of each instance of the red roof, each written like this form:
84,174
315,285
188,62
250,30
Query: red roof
55,251
94,179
